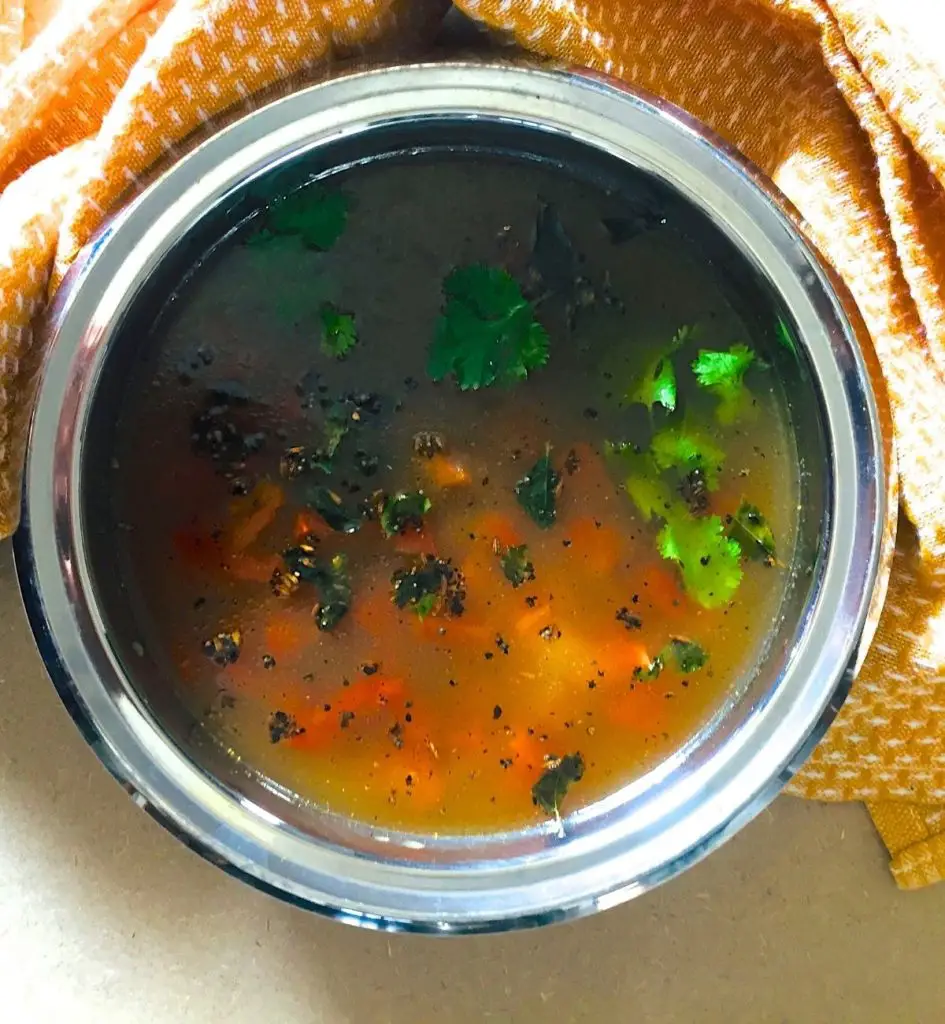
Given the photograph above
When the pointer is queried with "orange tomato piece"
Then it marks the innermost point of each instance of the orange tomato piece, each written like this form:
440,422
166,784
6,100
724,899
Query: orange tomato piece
495,526
310,524
415,542
596,545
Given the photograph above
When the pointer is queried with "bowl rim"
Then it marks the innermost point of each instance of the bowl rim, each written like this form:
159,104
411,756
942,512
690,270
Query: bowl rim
585,869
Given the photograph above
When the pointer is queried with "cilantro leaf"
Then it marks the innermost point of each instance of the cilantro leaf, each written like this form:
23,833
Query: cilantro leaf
404,510
430,586
689,656
707,559
750,528
537,491
517,566
723,374
339,332
330,507
555,781
657,386
487,331
315,215
686,450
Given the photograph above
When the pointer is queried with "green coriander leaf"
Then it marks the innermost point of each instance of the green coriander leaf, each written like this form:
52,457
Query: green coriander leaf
537,491
331,508
555,781
707,559
339,332
689,656
315,214
657,386
650,494
404,510
517,566
487,331
647,675
750,528
686,450
429,586
723,374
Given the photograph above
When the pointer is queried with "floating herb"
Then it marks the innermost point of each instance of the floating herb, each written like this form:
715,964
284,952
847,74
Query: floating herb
334,589
555,781
686,450
224,648
330,507
750,528
283,726
516,565
339,332
657,386
707,559
554,258
689,656
430,586
651,672
317,216
723,374
404,510
487,331
538,490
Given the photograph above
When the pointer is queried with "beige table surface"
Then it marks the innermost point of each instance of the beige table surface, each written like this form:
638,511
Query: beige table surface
104,917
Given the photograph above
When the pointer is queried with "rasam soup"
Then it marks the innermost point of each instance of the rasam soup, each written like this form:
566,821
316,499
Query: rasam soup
456,492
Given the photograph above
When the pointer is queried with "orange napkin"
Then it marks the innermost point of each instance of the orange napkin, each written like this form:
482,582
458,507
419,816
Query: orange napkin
837,100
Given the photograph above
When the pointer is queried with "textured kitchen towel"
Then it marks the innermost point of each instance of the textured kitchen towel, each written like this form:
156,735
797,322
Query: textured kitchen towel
840,101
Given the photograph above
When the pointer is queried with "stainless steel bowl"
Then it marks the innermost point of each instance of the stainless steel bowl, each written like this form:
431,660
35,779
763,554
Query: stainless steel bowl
620,846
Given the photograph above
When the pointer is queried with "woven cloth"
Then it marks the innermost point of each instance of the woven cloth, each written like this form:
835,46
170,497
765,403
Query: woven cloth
839,101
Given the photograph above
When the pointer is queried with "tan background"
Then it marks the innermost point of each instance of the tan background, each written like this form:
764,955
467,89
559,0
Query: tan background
104,917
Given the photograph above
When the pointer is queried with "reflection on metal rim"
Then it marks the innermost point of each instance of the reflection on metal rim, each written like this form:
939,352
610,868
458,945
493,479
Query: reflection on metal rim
610,851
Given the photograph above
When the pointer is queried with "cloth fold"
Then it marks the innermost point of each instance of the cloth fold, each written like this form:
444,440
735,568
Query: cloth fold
841,102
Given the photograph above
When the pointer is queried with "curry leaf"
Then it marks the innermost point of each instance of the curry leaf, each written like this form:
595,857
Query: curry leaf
750,528
334,588
403,510
707,559
339,332
430,586
537,491
487,331
555,781
330,507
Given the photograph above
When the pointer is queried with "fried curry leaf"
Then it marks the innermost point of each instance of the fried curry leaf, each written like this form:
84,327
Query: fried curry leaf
517,566
555,781
537,491
750,528
707,559
689,656
330,507
429,586
334,587
315,215
686,450
657,386
723,374
339,332
487,331
403,510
